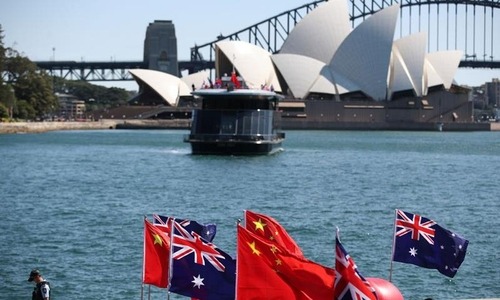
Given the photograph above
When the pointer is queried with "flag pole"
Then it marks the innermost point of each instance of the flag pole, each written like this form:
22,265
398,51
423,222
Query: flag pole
149,285
170,264
143,256
393,244
335,249
238,223
234,58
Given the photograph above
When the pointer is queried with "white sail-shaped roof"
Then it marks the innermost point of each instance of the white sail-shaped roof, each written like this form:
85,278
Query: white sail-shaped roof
330,82
408,63
198,80
431,77
184,90
251,62
344,84
167,86
364,56
400,79
324,83
299,79
444,64
319,34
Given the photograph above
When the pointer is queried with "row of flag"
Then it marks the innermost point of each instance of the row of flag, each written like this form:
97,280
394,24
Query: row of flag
180,255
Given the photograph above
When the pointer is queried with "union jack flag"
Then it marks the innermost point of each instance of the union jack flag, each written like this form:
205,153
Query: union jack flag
349,283
206,231
439,249
416,225
187,243
199,269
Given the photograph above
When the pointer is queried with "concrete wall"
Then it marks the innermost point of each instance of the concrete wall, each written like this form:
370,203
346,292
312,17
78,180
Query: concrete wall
38,127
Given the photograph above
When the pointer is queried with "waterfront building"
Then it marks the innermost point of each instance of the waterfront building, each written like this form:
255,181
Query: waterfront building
70,107
492,90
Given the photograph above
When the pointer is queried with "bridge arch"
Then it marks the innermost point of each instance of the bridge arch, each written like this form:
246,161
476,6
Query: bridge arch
470,26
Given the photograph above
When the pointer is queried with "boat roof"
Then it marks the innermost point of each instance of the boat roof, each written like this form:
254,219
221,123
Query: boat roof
237,93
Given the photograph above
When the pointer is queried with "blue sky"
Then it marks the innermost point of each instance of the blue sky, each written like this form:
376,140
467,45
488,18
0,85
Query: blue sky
105,30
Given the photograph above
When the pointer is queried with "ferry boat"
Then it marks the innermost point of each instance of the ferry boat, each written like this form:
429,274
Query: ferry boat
236,122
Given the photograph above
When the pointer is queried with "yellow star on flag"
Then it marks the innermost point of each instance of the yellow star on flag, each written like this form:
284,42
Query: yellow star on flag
158,239
259,225
254,248
278,262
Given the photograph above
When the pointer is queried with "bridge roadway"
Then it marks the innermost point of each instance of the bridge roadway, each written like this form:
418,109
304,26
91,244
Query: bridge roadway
108,71
118,71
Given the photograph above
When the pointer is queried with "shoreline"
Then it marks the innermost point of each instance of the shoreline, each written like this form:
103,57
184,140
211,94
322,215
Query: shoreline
41,127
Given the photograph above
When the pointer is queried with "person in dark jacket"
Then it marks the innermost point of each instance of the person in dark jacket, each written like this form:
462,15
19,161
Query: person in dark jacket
42,287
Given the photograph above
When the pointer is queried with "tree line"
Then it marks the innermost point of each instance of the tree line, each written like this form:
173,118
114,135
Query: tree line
30,93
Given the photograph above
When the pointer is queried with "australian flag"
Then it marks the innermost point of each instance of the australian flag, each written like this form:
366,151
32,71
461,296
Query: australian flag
206,231
424,243
199,269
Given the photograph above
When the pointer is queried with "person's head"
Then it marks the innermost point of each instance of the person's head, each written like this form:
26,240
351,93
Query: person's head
35,276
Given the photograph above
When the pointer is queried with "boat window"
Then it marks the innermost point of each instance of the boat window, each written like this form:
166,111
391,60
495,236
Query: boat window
228,123
243,122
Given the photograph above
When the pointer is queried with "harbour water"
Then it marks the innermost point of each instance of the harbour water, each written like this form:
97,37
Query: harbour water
73,203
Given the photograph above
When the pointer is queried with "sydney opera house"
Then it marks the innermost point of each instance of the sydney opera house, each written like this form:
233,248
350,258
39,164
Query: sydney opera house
334,76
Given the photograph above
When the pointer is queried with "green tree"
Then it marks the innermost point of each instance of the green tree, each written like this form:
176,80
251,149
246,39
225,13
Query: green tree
31,84
2,54
4,112
25,111
8,98
96,97
116,96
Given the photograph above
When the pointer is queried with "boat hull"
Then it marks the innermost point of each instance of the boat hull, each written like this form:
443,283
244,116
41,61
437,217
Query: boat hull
219,147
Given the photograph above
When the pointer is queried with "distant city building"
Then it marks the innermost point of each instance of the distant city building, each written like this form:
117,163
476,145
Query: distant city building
70,107
493,92
160,47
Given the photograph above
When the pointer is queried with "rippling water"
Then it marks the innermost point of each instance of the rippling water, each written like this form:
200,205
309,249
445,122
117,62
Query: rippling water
73,203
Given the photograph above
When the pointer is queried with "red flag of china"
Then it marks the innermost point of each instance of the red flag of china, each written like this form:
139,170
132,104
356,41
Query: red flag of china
235,80
156,256
272,231
267,271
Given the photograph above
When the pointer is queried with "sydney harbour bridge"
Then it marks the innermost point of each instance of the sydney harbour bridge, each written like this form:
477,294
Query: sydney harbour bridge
472,26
